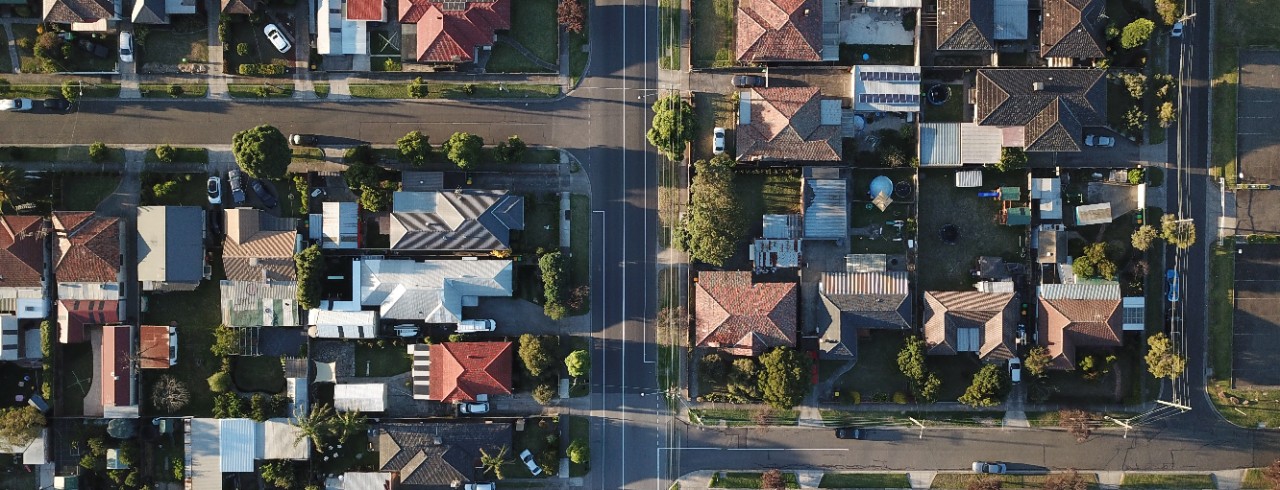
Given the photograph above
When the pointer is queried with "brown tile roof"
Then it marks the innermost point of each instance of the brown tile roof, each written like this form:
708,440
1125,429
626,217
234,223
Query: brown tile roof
966,25
153,347
786,124
21,252
462,370
779,30
743,318
1065,324
1054,115
75,11
115,373
449,34
993,315
1072,29
258,247
243,7
88,248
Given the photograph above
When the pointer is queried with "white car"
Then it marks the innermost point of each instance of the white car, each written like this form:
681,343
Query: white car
479,486
277,38
15,105
989,468
1099,141
1177,30
214,190
527,458
407,330
473,407
474,326
718,146
1015,370
126,47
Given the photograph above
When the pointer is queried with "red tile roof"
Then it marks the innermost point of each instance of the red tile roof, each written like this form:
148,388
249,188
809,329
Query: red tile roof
462,370
743,318
88,248
779,30
365,10
115,366
153,347
447,35
21,253
75,314
786,124
1065,324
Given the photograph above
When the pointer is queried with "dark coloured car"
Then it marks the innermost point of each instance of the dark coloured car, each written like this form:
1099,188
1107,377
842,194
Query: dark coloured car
264,193
748,81
304,140
851,433
237,188
56,105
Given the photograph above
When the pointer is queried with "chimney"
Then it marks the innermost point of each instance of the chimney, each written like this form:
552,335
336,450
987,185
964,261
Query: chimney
806,12
1037,86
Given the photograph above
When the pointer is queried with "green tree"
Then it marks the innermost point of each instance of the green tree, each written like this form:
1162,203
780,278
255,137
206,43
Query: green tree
98,152
674,126
986,384
166,153
1178,232
1094,263
344,424
417,88
928,391
164,190
12,183
544,393
20,425
314,425
1136,33
579,451
535,354
262,152
1012,159
1166,114
1163,361
1134,120
784,377
414,148
911,360
377,198
1135,82
258,409
714,224
220,382
71,90
1168,11
309,264
464,149
578,363
278,473
512,150
1037,361
494,462
1143,237
226,341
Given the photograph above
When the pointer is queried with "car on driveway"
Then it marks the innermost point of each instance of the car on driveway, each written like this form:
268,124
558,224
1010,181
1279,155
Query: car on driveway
717,146
851,433
479,486
214,189
56,105
1015,370
1099,141
303,140
264,193
527,458
473,326
991,468
277,38
237,188
15,105
748,81
473,407
126,47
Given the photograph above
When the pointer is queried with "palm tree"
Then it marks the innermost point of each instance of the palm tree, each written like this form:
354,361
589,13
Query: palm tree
346,423
494,462
10,184
315,425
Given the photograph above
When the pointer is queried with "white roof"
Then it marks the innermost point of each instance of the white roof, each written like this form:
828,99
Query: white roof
1048,191
277,439
36,452
969,178
886,88
328,324
337,35
237,444
203,470
367,397
367,481
340,225
955,144
296,389
1093,214
433,290
8,338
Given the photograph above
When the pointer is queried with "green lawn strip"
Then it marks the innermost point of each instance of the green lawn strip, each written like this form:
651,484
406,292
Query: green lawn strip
307,154
44,91
76,378
380,90
79,153
1044,419
580,245
1167,481
389,360
258,374
1221,309
321,89
1246,407
161,90
1255,479
748,480
713,30
182,154
736,417
669,34
258,90
950,111
840,418
865,480
951,481
444,90
84,192
577,55
196,313
579,429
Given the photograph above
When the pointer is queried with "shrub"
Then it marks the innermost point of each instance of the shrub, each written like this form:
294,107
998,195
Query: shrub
260,69
220,382
174,90
544,393
418,88
242,49
1136,33
392,64
98,152
900,398
165,153
1135,176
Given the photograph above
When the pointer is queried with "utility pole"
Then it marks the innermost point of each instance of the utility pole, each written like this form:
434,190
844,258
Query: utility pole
1121,423
917,422
1178,406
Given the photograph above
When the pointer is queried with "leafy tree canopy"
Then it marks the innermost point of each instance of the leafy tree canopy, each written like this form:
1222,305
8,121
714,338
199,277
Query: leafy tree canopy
262,152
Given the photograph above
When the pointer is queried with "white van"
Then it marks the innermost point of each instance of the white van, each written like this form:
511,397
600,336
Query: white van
473,326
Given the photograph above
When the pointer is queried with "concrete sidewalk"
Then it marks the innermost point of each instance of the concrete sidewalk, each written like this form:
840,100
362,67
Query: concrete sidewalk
1107,480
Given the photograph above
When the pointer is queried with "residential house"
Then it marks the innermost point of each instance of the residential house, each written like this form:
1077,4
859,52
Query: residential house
86,264
470,220
788,124
157,346
461,371
742,317
824,200
1091,315
116,376
343,25
438,456
787,30
82,15
22,271
239,7
431,291
1072,30
855,301
171,248
453,31
971,321
34,453
1049,106
259,247
979,25
158,11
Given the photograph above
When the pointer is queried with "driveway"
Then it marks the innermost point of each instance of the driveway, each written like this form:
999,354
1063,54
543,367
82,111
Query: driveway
1126,154
516,316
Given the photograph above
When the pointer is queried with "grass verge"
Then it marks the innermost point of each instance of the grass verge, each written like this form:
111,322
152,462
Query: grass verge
260,90
1167,481
579,428
1254,479
181,155
865,480
737,417
748,480
166,91
1221,306
669,34
962,480
321,89
457,91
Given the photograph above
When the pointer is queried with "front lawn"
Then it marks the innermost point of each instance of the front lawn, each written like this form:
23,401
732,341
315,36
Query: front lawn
712,110
84,192
258,374
865,480
259,49
196,314
977,220
534,438
876,375
186,190
1165,481
713,30
533,25
390,359
186,40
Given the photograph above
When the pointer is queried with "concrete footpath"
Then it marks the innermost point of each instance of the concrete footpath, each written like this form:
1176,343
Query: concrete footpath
1107,480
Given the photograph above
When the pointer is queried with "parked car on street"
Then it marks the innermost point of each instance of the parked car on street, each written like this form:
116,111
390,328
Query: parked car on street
303,139
1099,141
56,105
15,105
277,38
850,433
214,188
748,81
527,458
237,189
264,193
126,47
717,146
991,468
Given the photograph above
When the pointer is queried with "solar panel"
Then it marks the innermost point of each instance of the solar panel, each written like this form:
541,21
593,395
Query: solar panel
889,76
889,98
455,5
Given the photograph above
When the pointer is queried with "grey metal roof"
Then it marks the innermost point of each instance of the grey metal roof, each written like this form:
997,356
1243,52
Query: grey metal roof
259,304
150,12
781,226
1094,290
825,208
434,290
171,244
237,443
436,455
455,220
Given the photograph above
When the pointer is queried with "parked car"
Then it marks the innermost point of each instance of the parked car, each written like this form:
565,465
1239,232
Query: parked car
214,189
15,105
989,467
277,38
303,139
717,146
56,105
748,81
237,189
473,326
479,486
1015,370
1099,141
214,219
473,407
527,458
126,47
850,433
264,193
1177,30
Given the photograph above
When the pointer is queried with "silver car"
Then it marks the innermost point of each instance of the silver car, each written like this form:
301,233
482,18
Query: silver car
277,38
527,458
990,468
15,105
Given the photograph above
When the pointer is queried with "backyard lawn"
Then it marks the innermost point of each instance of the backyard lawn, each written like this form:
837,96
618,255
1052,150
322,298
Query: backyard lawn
84,192
389,360
75,378
196,313
712,23
258,374
950,111
977,219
